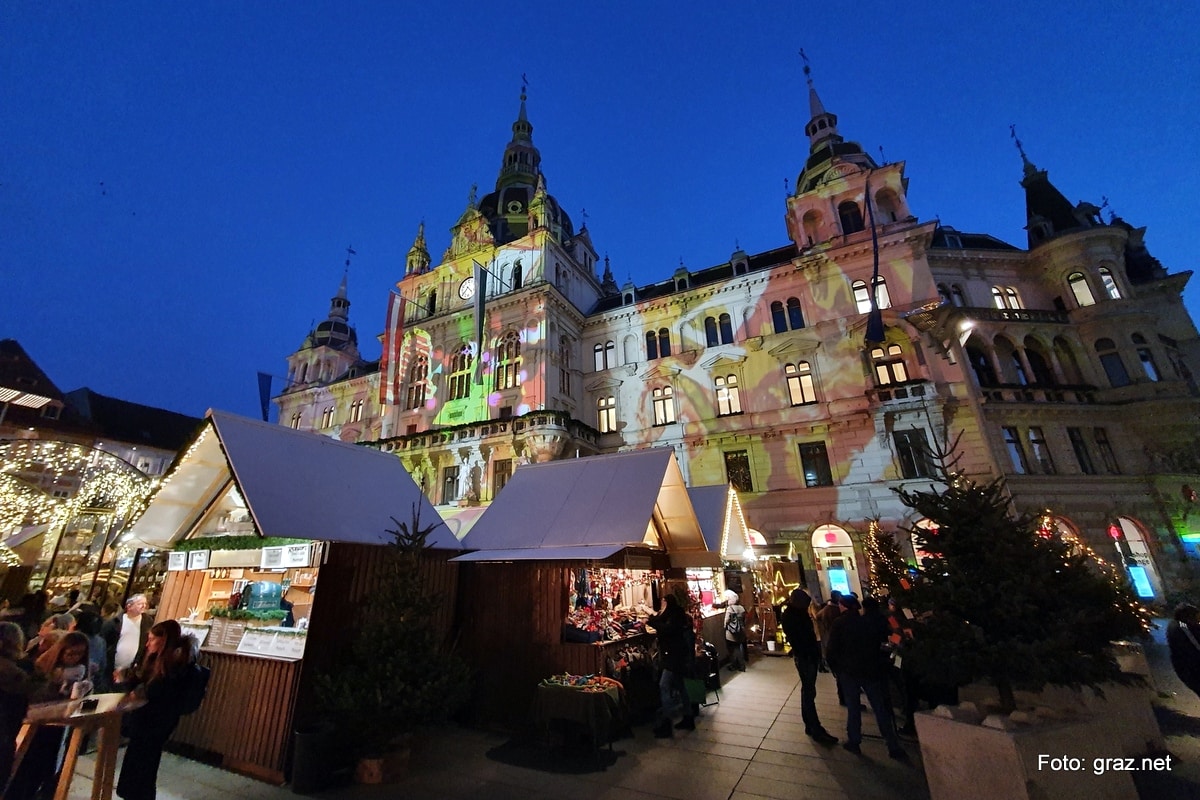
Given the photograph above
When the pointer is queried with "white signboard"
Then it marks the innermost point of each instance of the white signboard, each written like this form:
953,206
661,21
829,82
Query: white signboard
297,555
197,559
271,643
272,558
177,562
199,631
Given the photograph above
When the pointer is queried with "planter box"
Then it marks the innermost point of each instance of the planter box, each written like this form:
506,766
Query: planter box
964,758
1131,727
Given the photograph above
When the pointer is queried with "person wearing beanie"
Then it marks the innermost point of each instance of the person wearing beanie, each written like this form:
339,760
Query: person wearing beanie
806,655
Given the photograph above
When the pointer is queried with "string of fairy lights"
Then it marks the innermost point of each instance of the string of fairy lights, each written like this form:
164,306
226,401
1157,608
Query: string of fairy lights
88,479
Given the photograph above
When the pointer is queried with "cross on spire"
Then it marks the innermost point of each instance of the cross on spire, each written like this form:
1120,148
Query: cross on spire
807,66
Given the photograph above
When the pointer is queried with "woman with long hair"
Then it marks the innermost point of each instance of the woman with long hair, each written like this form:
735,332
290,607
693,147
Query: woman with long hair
14,694
63,664
160,679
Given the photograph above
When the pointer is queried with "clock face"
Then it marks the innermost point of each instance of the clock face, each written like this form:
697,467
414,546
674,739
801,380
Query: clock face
466,289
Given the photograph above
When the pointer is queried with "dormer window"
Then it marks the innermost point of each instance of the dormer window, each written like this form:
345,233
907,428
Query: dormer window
628,299
954,241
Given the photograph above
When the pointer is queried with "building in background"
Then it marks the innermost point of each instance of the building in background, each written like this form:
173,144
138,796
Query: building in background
72,470
1065,367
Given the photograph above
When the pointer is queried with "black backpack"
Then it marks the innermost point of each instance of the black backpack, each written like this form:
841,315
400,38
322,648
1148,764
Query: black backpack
195,687
735,627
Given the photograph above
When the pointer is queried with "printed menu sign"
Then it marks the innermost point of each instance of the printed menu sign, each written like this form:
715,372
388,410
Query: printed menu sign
197,559
177,562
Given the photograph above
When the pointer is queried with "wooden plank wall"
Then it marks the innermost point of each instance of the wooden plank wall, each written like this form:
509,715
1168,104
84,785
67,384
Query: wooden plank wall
180,593
511,622
246,717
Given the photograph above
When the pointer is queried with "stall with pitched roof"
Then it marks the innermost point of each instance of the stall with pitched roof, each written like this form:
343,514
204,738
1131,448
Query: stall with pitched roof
256,516
565,564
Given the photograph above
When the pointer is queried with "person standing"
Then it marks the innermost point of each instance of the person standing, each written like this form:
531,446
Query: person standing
1184,644
735,625
126,635
825,617
161,679
806,655
676,651
858,658
15,686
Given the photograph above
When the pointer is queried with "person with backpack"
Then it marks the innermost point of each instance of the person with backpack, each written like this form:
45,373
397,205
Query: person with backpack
166,678
735,626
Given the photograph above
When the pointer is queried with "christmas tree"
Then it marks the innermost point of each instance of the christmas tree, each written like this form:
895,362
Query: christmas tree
398,676
999,600
889,570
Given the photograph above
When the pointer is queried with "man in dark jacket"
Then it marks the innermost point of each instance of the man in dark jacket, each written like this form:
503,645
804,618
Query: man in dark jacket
676,651
1184,643
806,654
857,656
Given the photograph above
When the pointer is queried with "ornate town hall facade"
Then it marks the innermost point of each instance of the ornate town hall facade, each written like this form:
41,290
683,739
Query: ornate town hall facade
1067,366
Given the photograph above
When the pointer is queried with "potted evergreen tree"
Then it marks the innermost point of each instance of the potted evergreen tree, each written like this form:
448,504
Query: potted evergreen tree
1005,601
398,677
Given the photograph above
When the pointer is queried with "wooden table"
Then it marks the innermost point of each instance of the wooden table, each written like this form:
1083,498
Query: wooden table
105,718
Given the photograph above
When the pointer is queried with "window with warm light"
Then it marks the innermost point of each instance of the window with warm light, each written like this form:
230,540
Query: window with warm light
729,400
606,414
801,389
663,404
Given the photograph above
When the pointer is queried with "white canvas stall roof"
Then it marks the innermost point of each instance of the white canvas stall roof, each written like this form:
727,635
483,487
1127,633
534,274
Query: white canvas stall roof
609,500
720,514
296,484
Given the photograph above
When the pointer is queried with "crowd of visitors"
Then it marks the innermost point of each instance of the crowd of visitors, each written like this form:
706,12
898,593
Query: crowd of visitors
59,649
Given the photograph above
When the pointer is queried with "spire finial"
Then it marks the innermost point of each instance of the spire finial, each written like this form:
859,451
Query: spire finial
583,215
807,67
737,244
524,86
349,252
1030,169
471,201
787,189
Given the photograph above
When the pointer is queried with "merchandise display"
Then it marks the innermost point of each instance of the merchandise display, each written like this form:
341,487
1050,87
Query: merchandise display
608,604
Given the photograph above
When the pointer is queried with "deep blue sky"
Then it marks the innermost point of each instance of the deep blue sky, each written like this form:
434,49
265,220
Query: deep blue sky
178,181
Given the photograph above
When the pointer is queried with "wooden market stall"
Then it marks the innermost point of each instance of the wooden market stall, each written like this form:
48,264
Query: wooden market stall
566,562
259,516
719,512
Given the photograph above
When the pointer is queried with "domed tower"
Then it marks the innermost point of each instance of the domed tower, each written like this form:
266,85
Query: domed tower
519,202
830,201
329,350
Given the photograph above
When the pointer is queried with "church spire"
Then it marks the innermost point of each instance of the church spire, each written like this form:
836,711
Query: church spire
418,255
822,125
522,161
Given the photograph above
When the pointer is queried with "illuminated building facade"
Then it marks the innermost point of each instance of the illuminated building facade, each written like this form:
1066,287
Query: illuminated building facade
1066,368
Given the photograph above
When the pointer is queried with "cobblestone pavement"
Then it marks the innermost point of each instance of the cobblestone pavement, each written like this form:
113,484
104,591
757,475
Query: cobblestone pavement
750,745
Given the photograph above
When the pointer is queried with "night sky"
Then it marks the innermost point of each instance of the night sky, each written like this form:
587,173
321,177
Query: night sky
179,181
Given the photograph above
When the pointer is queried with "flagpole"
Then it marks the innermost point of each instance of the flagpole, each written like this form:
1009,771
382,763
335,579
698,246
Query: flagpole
874,333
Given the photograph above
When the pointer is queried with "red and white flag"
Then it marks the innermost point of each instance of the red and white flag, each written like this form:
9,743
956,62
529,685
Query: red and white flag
389,362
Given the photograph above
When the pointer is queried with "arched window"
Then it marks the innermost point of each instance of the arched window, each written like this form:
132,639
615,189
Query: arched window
1110,285
1146,356
795,314
887,204
605,355
327,417
431,302
1039,364
1013,299
629,349
356,411
516,275
812,227
651,345
729,400
778,317
726,326
1110,359
889,365
862,297
507,369
998,297
664,405
956,296
1019,369
564,365
418,382
1080,288
606,414
800,383
303,373
664,342
710,332
851,216
296,421
985,373
460,373
1067,361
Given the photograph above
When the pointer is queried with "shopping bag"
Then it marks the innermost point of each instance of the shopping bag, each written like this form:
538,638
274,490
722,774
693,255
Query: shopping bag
697,692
